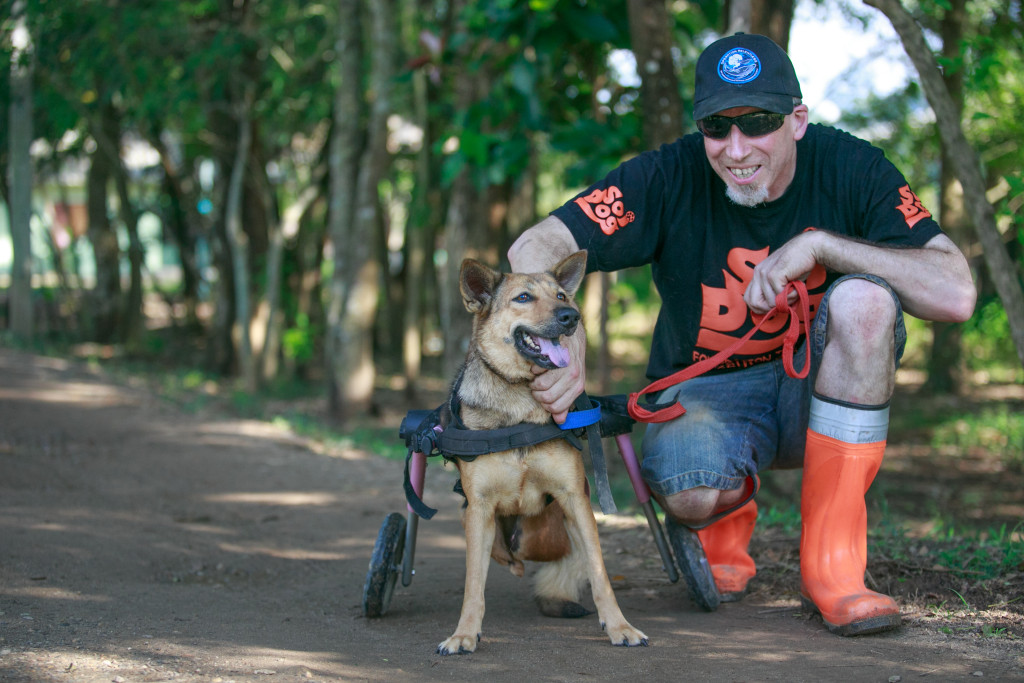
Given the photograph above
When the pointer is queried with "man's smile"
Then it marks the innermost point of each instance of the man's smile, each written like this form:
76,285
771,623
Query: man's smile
744,173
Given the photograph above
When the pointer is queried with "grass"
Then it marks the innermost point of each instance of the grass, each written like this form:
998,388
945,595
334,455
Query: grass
996,430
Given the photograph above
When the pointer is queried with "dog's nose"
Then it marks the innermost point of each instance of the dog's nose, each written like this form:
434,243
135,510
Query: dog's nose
567,316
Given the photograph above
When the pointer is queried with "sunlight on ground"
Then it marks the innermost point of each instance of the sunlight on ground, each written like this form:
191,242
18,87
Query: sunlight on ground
53,593
70,392
284,498
281,553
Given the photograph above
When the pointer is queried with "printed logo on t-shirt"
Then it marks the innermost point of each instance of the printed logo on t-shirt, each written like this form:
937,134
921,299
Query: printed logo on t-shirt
911,207
725,317
606,208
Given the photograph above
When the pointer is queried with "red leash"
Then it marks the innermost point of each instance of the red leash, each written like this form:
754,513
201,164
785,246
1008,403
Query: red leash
782,305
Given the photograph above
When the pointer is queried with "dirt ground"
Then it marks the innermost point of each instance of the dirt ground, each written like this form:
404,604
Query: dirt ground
141,543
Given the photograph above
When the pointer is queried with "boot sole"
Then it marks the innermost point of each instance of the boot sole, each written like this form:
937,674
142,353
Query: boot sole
863,627
693,565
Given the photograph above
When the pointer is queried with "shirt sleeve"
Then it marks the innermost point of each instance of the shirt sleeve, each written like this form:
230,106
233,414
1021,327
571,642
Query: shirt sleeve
892,213
619,219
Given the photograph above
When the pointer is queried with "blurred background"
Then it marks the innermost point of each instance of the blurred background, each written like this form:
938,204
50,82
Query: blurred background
277,195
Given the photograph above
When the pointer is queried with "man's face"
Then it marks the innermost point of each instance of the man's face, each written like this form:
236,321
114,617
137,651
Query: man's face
757,170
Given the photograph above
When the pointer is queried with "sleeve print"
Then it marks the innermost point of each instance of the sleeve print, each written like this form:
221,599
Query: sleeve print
606,208
911,207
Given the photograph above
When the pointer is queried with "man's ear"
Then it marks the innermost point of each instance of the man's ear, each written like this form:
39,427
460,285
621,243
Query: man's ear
569,271
801,117
477,283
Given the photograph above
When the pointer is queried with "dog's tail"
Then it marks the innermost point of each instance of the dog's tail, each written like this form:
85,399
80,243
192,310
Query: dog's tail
558,584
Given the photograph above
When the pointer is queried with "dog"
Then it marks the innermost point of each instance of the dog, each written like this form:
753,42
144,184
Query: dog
529,503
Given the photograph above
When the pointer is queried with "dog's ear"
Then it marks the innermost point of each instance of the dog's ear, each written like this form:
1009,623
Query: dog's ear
569,271
477,283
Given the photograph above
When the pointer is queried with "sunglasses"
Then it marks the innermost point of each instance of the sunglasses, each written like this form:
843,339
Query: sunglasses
753,125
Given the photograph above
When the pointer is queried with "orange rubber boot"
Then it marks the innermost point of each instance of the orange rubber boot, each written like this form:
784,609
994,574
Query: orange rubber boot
833,542
726,544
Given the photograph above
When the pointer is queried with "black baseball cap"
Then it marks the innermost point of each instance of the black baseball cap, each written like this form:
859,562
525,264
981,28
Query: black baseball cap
744,70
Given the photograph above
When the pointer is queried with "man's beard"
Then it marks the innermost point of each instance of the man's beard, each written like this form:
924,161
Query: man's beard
747,195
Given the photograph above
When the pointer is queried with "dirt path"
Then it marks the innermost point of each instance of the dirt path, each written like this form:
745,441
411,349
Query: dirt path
138,543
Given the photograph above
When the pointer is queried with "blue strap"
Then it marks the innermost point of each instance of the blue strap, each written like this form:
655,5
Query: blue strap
582,418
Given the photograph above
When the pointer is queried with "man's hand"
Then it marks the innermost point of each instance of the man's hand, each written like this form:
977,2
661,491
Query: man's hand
557,389
793,261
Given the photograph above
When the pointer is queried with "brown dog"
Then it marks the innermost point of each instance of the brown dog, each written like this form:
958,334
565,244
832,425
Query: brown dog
529,503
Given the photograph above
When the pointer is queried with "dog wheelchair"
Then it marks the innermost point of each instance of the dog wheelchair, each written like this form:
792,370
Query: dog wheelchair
598,417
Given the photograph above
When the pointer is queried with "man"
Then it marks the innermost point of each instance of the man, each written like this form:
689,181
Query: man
726,217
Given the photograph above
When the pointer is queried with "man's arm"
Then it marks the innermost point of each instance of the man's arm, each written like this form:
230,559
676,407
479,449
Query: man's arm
536,250
541,246
933,282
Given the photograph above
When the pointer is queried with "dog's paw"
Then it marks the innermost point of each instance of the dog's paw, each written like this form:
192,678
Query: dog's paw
626,636
458,645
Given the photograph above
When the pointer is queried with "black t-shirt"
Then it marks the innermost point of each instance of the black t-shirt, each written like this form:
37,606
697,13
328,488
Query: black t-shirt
668,208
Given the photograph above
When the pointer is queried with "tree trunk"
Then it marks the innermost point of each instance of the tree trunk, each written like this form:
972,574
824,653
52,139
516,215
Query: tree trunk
772,18
1004,272
238,243
108,139
19,136
106,295
650,30
288,228
945,364
464,225
181,221
354,208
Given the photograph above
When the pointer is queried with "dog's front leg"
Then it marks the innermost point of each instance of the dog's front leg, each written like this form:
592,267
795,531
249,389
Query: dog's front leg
620,632
479,523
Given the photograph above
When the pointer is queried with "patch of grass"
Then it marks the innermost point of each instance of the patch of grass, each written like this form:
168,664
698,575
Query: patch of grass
986,555
977,556
381,441
786,518
995,429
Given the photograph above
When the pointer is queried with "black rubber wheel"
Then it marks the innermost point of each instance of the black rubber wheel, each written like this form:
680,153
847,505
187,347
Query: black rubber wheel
385,566
693,565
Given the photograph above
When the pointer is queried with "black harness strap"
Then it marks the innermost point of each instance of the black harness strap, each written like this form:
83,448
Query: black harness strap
468,444
604,489
454,440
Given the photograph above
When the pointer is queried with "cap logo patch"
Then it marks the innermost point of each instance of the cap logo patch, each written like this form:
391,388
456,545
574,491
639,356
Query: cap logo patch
739,65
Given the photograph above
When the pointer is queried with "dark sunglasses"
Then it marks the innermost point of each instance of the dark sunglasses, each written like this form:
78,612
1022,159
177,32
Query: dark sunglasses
753,125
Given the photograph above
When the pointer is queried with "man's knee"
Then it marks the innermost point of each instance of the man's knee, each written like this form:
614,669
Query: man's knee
861,312
691,506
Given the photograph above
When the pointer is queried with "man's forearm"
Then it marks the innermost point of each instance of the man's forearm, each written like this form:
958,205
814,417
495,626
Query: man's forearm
933,282
541,247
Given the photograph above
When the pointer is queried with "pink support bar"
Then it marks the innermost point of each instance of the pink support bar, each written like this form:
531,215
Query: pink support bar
643,493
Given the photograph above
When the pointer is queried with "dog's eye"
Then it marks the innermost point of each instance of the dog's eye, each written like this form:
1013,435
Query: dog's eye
524,298
561,296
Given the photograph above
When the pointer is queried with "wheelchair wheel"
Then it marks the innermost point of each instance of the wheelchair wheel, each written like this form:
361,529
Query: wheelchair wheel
693,565
385,566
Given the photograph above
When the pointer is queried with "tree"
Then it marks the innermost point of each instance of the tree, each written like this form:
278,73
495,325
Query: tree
1002,269
20,179
651,36
945,360
357,164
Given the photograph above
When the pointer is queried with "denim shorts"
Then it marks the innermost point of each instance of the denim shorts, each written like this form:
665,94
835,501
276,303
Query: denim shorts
742,422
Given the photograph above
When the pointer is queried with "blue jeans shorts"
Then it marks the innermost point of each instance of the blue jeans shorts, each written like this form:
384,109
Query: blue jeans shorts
742,422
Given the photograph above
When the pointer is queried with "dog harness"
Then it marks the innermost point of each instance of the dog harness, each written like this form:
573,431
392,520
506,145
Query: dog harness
442,432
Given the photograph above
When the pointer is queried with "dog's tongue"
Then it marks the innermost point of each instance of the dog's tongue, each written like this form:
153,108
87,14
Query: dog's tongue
556,353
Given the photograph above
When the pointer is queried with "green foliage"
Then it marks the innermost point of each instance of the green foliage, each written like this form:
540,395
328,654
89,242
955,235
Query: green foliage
299,342
540,84
986,337
998,431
